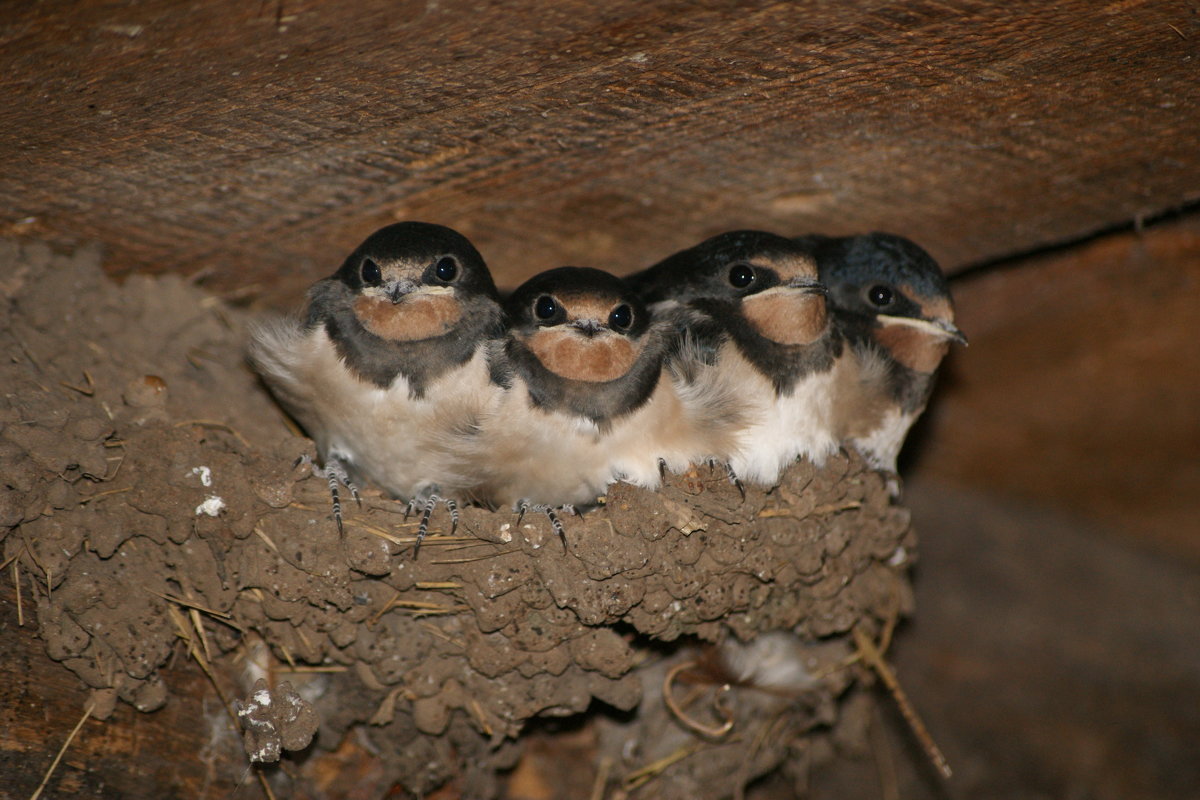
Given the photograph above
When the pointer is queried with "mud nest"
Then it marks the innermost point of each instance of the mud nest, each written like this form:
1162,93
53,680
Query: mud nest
150,502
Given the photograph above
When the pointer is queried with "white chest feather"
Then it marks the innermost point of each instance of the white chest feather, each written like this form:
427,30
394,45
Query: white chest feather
882,445
404,444
556,458
539,456
868,418
776,429
679,425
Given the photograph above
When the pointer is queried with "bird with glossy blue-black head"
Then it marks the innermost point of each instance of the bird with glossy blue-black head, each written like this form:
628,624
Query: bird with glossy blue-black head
892,305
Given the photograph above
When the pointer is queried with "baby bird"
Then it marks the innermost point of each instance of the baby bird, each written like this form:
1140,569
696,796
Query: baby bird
390,369
892,305
587,403
755,328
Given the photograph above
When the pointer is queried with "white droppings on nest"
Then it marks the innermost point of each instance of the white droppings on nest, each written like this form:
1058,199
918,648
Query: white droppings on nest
532,536
269,750
212,506
205,475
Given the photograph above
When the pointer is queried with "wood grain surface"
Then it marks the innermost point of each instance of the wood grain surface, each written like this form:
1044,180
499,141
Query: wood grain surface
253,144
1048,659
188,749
1081,386
259,141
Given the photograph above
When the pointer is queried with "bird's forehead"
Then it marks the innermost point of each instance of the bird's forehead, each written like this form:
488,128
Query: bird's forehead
936,306
587,305
787,266
401,265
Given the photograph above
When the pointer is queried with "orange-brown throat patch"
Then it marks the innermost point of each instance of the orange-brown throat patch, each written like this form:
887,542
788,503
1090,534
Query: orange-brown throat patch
787,316
571,355
418,316
914,348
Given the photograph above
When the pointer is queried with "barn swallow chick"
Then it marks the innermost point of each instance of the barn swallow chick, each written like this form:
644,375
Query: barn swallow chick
757,329
587,404
892,305
390,370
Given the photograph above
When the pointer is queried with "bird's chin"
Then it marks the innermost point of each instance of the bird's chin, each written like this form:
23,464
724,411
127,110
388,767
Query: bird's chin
420,315
788,316
918,347
592,359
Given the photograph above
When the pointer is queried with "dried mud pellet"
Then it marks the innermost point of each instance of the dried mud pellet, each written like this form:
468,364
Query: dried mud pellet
431,715
147,391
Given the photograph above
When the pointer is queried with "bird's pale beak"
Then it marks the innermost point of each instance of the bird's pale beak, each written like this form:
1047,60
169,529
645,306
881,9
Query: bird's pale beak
588,327
398,290
808,286
937,327
952,331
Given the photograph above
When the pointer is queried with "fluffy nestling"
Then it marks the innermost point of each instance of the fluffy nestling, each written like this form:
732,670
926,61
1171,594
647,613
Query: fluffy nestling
588,402
892,305
390,368
755,328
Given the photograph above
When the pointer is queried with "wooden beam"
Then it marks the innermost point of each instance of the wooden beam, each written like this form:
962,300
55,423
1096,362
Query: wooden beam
260,141
1080,387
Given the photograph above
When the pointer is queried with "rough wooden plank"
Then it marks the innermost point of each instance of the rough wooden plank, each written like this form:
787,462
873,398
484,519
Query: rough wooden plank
1048,659
186,750
260,141
1081,385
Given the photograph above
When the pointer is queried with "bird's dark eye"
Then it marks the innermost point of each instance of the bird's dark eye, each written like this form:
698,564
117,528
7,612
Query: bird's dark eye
741,276
880,296
446,269
621,317
371,274
545,307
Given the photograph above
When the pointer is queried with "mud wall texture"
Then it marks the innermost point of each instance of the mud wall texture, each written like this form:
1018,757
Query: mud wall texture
152,508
